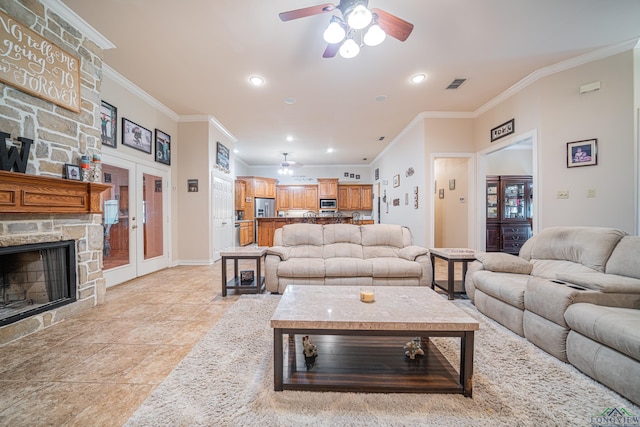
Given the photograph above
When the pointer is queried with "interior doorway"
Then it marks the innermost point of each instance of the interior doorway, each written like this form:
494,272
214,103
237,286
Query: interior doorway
135,220
513,156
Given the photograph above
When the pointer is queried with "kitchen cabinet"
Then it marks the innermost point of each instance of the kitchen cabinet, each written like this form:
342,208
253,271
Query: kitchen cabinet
355,197
509,212
240,194
264,188
246,232
327,188
300,197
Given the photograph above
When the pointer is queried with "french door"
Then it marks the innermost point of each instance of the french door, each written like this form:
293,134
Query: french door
136,220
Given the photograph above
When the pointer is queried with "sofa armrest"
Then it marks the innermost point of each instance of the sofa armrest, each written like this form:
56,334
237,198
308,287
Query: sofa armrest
412,252
279,251
504,263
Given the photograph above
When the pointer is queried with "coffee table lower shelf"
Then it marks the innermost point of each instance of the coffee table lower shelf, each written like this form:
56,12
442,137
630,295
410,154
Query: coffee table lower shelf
375,364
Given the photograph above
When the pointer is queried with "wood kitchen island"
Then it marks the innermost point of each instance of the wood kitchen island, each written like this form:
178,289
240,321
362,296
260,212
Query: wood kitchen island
267,226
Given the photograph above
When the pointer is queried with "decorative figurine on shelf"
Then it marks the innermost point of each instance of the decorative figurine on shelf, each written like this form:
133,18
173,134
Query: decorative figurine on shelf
413,348
310,352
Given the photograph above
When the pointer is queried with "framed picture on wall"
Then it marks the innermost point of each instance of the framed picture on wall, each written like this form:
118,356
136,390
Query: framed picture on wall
396,180
109,124
582,153
222,158
136,136
163,147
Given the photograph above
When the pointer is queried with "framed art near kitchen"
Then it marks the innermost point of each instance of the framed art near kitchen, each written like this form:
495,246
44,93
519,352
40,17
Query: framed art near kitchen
109,124
136,136
582,153
163,147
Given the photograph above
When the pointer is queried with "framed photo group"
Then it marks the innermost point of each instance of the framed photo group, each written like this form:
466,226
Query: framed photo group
133,135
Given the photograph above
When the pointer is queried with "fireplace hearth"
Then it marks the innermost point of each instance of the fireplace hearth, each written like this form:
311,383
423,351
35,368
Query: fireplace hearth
35,278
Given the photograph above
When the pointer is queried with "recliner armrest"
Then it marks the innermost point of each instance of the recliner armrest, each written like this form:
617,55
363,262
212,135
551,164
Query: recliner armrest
504,263
412,252
280,251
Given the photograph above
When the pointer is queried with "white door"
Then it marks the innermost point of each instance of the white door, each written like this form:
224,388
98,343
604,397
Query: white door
223,212
135,218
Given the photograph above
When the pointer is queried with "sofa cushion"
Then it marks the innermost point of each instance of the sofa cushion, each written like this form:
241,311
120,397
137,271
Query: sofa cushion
382,235
503,262
302,234
602,282
342,250
618,328
506,287
342,240
395,267
348,267
624,259
301,267
589,246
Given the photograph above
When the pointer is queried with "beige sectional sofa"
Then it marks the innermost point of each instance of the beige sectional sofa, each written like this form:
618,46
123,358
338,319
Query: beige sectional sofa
345,254
574,292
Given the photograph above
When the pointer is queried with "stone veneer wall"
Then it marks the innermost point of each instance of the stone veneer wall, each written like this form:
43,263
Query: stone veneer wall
60,136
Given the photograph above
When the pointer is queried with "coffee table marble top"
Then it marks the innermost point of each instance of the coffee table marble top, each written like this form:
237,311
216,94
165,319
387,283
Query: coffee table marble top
396,308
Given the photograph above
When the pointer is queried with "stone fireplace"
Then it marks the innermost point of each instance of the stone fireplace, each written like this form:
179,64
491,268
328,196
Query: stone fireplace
39,206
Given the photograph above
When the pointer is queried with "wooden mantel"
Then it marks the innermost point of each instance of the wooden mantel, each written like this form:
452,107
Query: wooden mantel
22,193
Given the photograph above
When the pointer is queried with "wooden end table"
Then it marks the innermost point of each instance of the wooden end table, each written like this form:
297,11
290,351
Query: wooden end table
451,255
256,253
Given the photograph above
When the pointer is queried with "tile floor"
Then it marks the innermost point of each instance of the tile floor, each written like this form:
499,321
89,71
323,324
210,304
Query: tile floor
95,369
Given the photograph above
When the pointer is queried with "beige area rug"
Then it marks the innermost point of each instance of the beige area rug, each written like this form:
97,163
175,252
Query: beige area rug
227,380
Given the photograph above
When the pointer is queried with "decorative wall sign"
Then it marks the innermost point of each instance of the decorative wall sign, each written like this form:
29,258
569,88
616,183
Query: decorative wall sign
222,158
38,67
109,124
192,185
163,147
503,130
582,153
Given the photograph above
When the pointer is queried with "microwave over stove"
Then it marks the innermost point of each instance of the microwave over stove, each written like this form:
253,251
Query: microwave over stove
328,204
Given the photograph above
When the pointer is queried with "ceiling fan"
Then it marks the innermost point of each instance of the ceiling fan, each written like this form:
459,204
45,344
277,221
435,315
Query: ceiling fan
286,167
355,16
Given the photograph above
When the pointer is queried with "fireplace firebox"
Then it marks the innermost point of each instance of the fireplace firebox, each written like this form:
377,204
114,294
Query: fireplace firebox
35,278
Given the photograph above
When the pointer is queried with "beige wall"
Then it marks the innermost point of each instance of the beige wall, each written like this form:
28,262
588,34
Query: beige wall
560,114
451,212
510,162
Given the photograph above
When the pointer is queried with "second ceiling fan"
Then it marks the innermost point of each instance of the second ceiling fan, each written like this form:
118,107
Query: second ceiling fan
355,16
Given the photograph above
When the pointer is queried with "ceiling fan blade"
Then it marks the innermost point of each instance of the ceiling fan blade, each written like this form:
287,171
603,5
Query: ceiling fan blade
307,11
392,25
331,50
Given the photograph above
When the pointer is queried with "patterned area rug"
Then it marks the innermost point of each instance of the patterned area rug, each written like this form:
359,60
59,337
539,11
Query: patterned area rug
227,380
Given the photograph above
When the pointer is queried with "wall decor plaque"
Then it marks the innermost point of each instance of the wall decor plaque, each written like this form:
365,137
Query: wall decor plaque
503,130
38,67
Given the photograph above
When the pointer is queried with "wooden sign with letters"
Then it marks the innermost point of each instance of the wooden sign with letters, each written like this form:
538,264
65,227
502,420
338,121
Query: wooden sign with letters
35,65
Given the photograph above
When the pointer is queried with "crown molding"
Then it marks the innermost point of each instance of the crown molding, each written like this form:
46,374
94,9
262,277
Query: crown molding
556,68
212,121
136,90
77,22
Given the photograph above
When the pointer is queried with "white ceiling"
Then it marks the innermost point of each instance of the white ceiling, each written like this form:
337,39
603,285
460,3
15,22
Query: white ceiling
195,57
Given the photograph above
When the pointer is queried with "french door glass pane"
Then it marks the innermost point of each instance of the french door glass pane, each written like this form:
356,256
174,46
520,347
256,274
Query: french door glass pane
115,217
152,215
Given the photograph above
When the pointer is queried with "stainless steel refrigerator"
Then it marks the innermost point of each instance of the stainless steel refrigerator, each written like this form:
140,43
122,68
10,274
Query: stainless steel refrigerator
265,208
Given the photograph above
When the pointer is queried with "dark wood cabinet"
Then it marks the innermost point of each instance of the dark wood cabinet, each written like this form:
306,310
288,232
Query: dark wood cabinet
509,212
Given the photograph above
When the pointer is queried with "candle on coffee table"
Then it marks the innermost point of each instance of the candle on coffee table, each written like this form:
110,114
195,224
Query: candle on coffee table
367,295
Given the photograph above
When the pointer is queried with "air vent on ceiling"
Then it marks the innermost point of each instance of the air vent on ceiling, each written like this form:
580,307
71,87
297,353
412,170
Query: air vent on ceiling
456,83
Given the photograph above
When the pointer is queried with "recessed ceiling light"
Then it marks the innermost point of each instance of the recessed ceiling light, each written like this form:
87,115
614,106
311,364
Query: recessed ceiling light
235,150
329,150
256,80
418,78
290,100
289,138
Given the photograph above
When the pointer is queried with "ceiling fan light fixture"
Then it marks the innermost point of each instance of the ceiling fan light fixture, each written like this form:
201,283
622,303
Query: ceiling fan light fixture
359,17
374,35
335,32
349,49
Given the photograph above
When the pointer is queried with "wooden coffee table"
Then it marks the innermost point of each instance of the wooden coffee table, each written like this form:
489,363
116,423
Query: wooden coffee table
360,345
